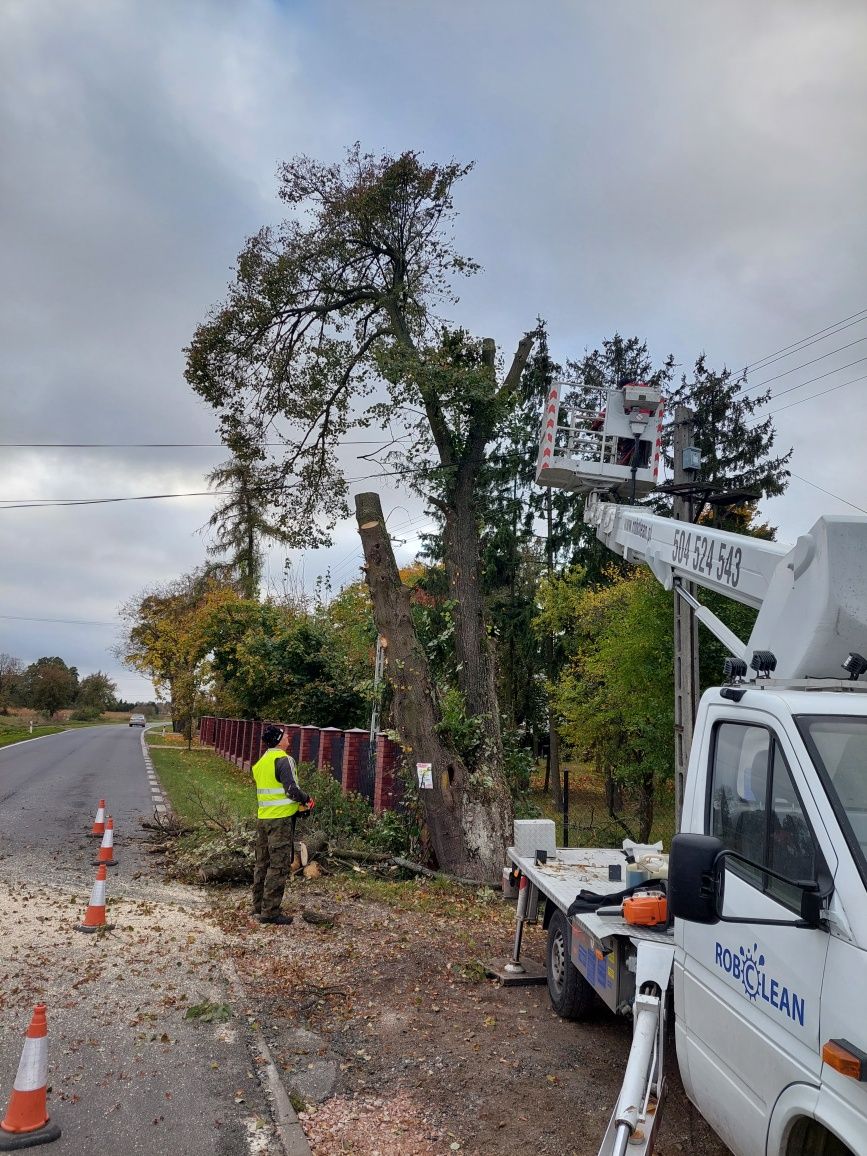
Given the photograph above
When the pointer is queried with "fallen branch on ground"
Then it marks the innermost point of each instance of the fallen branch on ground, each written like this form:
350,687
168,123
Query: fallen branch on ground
418,869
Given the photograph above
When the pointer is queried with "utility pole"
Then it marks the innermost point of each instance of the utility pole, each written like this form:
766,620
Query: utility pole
686,684
552,778
378,670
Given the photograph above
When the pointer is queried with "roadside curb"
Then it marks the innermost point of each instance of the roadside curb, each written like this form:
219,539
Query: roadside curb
157,797
286,1122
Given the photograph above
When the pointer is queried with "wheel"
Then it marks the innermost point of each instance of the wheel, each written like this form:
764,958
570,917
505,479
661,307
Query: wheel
571,995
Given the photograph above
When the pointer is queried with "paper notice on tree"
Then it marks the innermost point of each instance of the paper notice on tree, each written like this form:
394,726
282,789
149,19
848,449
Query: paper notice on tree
425,776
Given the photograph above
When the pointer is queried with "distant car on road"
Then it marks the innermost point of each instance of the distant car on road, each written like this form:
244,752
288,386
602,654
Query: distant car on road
137,720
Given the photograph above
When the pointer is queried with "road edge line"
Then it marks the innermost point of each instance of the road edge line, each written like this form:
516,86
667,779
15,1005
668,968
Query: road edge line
158,797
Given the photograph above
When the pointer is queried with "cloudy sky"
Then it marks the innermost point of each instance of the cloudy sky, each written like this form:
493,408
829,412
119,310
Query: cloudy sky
691,173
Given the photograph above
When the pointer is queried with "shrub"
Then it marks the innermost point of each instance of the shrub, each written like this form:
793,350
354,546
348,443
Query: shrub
85,714
349,819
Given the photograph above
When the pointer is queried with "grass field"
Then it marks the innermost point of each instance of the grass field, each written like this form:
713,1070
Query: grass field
15,728
200,784
13,731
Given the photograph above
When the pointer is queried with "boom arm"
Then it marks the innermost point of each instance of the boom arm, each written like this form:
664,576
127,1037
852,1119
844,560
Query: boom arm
810,596
732,564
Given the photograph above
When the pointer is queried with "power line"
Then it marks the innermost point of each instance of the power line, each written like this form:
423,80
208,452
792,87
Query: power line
801,401
845,501
156,445
63,621
804,365
46,503
810,339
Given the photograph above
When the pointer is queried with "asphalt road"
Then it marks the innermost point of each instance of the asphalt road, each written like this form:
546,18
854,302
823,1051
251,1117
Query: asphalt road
129,1073
49,790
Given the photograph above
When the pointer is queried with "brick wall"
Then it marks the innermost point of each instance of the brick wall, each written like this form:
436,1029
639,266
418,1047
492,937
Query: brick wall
345,754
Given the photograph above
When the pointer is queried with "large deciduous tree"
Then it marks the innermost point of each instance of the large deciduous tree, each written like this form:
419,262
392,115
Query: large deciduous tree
97,691
50,684
331,325
167,638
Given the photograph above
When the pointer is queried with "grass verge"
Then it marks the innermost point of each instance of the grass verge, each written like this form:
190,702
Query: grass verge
201,785
9,735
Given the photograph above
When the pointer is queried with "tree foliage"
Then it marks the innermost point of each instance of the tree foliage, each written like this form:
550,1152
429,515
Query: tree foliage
239,522
615,695
50,685
735,442
317,304
275,662
167,638
97,691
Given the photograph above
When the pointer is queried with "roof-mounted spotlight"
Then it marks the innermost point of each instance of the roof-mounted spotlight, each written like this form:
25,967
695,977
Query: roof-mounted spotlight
734,670
763,663
856,664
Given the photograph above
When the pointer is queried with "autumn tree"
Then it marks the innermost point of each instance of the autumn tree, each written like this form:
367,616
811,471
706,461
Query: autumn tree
614,692
332,324
11,671
167,638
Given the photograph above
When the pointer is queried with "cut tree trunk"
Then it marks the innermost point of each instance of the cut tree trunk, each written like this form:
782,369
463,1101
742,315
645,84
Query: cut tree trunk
468,815
314,844
475,658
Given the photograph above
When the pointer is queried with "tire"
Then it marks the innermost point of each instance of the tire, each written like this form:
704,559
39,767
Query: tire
571,995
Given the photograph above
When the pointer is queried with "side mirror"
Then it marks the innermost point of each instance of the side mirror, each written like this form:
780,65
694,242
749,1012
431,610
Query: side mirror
696,884
694,878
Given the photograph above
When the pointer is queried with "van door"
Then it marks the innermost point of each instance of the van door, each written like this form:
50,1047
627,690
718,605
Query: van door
751,993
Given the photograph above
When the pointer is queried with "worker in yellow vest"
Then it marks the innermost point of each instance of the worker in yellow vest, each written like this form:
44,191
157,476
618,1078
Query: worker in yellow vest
280,800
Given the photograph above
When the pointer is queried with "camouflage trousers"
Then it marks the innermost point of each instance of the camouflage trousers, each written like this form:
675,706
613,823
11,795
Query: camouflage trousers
274,849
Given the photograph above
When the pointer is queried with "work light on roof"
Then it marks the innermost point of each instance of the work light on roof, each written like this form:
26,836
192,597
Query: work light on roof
763,663
856,664
734,670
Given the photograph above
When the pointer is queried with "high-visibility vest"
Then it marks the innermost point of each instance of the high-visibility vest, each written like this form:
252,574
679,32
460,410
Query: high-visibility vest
273,802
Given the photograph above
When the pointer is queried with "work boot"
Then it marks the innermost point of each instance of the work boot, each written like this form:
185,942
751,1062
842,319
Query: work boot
281,920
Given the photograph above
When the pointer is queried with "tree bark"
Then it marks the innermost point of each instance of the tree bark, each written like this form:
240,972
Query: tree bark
461,553
468,815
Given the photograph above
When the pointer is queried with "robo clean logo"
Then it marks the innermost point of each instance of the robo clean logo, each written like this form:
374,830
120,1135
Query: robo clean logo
747,965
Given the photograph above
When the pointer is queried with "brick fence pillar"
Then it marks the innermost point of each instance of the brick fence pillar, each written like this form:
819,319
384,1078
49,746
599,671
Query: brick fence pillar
388,788
255,743
309,745
326,743
294,739
244,751
354,750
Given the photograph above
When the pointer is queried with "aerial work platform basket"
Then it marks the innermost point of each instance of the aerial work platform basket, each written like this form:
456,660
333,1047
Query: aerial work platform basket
617,447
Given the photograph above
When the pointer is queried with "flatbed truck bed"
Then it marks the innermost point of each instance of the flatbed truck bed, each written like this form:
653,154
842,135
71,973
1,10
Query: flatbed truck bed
589,955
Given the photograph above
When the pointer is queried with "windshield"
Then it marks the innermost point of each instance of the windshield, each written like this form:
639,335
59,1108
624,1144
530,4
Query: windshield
839,747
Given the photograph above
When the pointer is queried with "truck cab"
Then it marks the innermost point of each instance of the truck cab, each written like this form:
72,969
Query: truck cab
770,1028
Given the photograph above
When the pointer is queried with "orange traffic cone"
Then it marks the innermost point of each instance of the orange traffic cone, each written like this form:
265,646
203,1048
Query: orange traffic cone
106,849
94,917
98,829
26,1122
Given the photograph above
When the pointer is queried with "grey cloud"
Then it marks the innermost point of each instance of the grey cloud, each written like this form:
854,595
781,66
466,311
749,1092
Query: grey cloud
690,173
